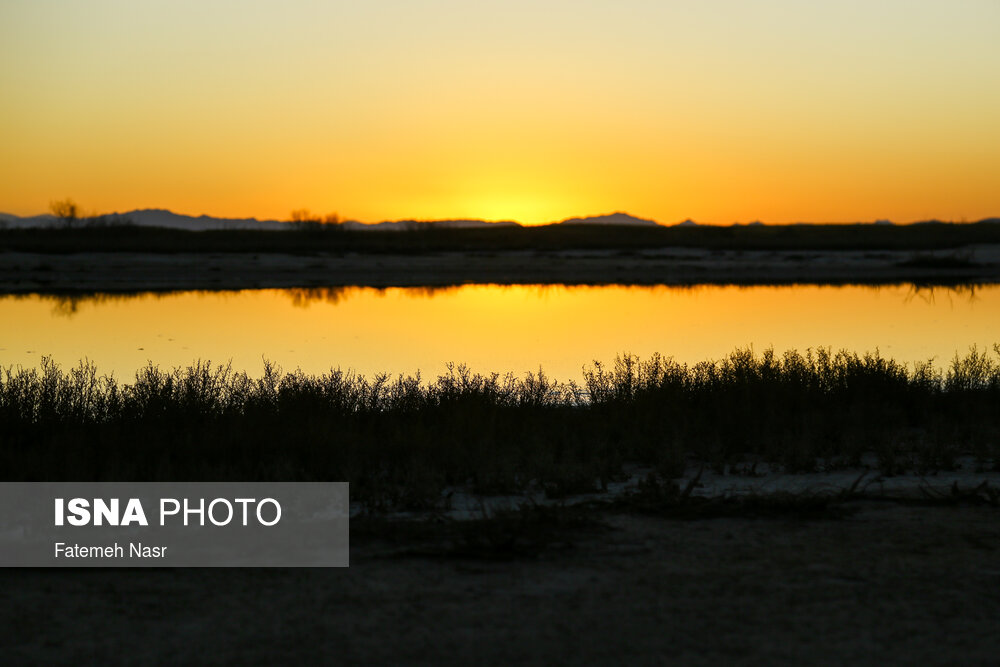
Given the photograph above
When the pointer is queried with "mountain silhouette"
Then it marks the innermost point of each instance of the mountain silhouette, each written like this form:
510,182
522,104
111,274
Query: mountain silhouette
618,218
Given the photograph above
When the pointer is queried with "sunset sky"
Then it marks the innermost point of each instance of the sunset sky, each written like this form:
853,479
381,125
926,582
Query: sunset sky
719,111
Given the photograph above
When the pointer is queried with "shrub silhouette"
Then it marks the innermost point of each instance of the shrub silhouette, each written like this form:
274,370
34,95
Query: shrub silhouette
66,210
305,220
402,442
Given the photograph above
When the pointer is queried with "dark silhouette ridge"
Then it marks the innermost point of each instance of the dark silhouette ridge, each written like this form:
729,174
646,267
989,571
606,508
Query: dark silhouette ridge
618,218
159,217
112,234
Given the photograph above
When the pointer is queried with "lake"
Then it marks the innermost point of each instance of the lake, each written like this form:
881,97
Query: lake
489,327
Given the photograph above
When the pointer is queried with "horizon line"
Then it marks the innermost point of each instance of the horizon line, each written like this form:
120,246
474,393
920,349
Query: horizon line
585,219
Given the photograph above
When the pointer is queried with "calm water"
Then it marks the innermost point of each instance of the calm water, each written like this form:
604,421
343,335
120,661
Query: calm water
489,327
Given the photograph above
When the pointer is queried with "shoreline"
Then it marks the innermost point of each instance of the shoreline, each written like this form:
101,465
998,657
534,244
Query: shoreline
129,272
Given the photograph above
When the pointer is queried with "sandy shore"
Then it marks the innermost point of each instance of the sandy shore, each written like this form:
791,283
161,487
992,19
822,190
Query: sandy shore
889,584
28,272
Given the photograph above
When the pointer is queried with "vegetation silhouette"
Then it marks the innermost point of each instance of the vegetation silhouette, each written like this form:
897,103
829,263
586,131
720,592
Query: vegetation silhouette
66,210
304,220
402,442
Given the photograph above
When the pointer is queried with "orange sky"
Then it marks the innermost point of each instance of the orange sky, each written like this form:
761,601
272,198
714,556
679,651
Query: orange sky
774,110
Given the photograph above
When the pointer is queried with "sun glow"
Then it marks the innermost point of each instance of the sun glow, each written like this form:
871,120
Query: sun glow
524,209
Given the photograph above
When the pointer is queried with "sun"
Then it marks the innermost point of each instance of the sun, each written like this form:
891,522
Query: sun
525,208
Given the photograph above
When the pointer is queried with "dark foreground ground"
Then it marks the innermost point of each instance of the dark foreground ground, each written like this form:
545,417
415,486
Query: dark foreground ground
886,584
96,257
127,271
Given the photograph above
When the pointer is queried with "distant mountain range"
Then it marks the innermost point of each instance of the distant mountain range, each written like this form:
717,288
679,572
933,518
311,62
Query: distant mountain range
156,217
612,219
150,217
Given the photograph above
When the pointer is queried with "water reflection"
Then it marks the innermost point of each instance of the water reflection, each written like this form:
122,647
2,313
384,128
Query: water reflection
928,293
69,304
303,297
490,327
